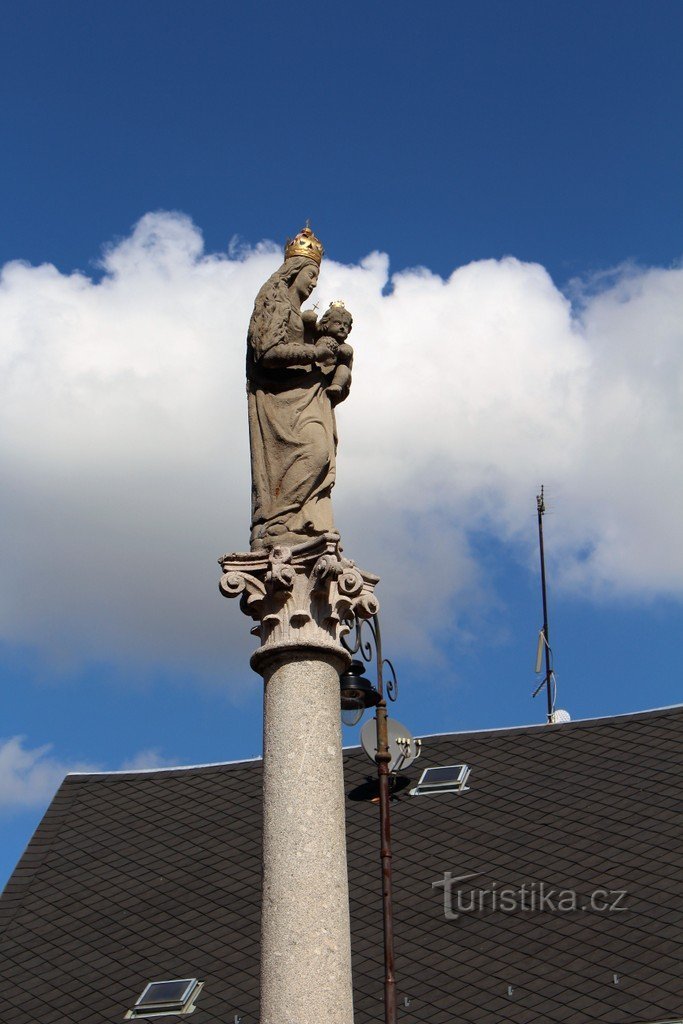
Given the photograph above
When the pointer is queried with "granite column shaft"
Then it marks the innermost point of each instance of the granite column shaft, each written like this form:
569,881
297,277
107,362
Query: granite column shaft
302,600
305,928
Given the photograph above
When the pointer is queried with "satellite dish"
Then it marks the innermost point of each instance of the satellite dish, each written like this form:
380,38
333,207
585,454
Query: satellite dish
561,717
404,749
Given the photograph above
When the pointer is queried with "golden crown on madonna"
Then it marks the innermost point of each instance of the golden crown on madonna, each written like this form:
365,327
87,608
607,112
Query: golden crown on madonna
305,244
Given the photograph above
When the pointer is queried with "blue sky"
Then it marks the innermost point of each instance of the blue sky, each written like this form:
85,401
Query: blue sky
444,136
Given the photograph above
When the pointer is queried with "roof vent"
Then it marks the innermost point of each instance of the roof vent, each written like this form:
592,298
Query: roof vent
167,997
560,717
451,778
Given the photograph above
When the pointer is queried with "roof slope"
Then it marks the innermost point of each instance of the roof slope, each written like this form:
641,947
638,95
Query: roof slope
142,876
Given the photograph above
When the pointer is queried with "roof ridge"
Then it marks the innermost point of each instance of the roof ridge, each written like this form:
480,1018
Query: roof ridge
583,722
160,769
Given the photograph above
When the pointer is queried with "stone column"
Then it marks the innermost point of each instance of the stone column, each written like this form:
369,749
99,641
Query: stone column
300,598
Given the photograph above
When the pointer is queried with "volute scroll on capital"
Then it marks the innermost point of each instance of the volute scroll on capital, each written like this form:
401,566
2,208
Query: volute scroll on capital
300,596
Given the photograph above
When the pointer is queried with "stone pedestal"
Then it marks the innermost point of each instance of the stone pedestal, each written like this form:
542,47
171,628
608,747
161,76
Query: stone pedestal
301,598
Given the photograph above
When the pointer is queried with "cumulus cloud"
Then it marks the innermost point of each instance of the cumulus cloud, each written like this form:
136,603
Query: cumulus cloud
146,760
124,449
30,776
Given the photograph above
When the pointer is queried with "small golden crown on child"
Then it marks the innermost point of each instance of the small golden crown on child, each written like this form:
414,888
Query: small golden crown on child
305,244
337,304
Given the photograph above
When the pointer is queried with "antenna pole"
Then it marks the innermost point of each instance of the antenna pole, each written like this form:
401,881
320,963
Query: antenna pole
540,507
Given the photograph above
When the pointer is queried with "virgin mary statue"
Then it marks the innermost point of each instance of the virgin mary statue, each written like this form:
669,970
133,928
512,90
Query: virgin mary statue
292,429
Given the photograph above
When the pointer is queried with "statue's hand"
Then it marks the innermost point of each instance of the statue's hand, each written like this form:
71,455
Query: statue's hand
322,350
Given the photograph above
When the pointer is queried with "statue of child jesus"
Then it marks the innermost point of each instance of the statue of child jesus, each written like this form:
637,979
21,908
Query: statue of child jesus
333,329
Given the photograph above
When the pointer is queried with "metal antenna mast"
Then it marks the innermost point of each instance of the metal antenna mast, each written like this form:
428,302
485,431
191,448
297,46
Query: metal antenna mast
548,680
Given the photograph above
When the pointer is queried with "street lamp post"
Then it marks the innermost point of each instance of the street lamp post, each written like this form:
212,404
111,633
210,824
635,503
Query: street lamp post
357,694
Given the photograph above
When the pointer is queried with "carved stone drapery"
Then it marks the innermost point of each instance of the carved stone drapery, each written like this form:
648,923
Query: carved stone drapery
301,597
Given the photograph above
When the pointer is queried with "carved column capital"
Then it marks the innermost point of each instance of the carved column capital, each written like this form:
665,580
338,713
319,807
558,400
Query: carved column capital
300,597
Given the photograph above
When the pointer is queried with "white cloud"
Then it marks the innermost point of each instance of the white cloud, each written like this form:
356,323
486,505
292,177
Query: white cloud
146,760
29,777
124,448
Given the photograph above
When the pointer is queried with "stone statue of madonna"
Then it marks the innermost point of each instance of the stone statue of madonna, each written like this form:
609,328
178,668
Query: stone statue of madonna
292,429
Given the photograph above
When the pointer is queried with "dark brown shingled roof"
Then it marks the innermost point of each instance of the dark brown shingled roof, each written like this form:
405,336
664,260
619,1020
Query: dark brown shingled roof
142,876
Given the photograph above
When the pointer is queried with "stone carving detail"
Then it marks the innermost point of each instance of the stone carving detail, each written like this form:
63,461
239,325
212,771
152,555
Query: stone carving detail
301,596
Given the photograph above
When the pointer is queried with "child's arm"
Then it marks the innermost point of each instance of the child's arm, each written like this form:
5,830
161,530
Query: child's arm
345,354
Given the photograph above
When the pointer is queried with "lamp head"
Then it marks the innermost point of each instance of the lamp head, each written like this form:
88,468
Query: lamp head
356,692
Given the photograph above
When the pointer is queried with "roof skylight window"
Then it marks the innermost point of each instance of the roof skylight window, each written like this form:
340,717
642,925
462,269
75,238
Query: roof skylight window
166,997
450,778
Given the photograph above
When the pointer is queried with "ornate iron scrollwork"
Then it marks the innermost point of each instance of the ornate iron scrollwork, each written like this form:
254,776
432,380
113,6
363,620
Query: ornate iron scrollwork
370,650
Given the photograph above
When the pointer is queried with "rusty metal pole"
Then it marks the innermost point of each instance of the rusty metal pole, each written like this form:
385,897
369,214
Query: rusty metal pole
388,688
383,758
